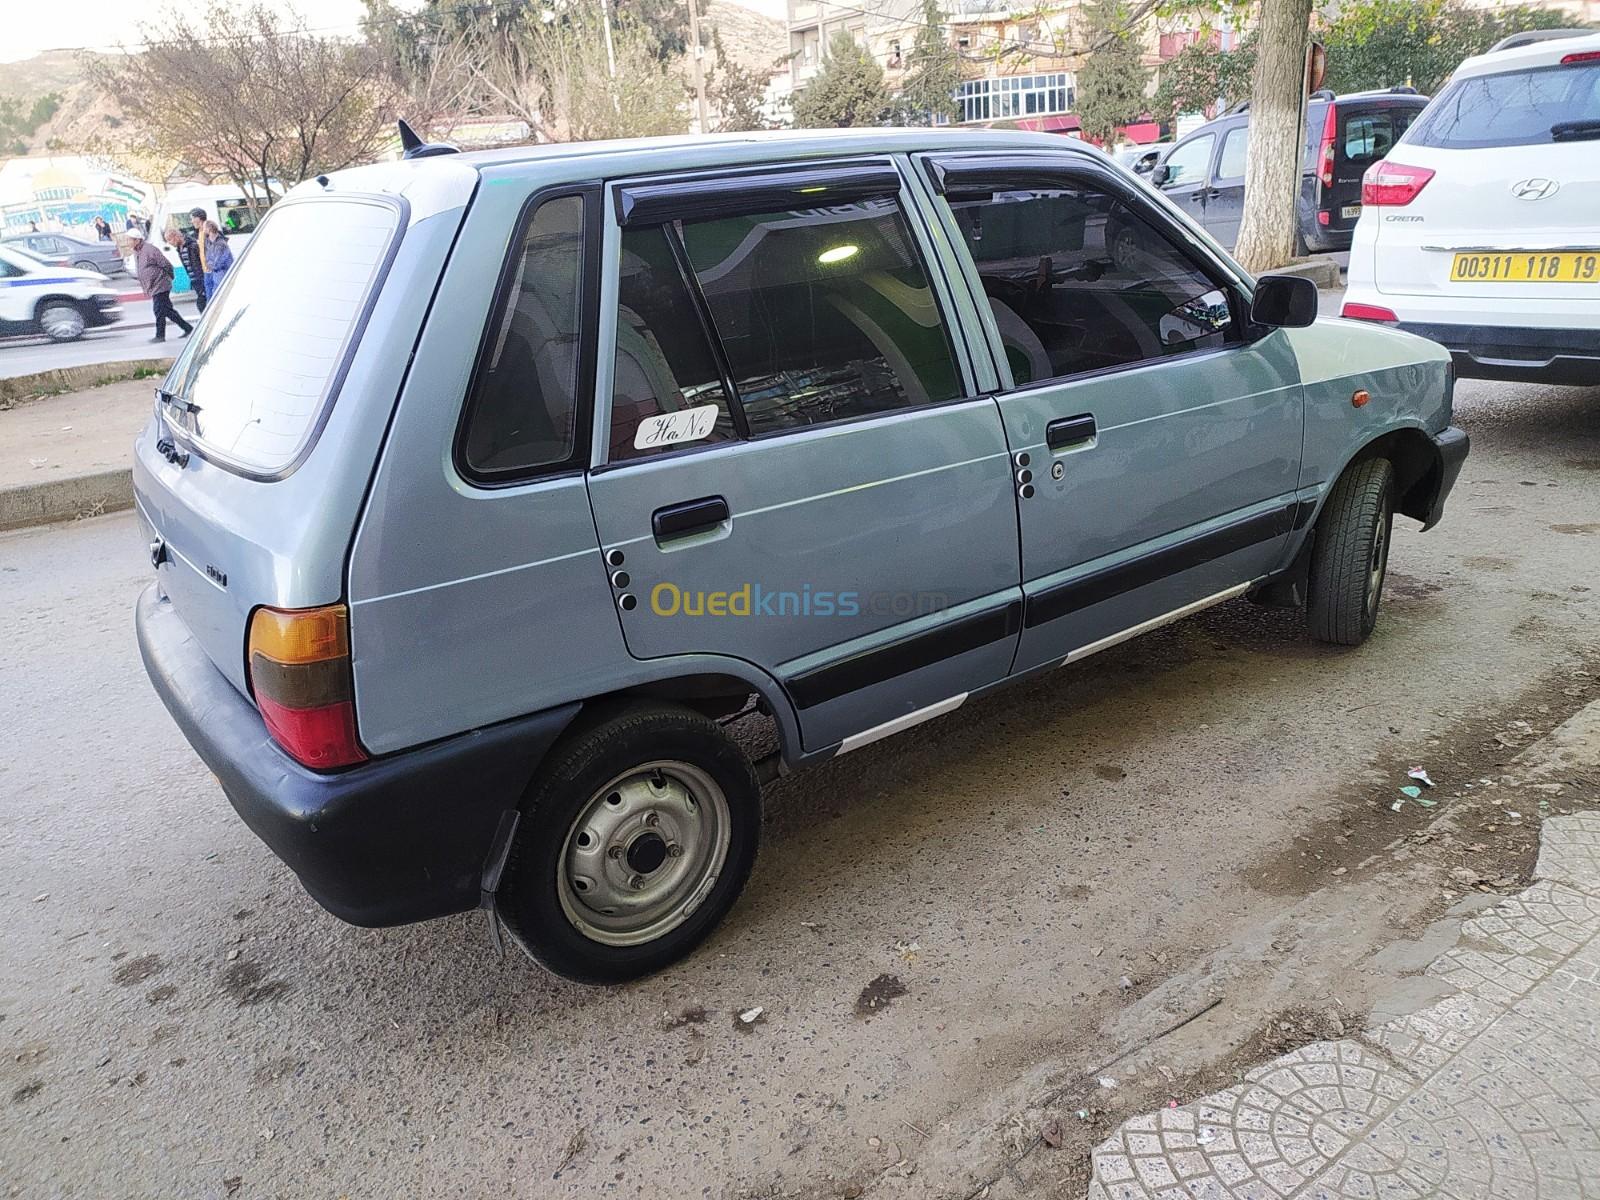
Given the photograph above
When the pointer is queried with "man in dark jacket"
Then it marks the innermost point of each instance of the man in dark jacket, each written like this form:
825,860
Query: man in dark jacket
193,258
155,277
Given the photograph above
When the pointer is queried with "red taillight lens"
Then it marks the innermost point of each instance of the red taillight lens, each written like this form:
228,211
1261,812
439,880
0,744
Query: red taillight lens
1582,56
299,663
1393,184
1330,137
1367,312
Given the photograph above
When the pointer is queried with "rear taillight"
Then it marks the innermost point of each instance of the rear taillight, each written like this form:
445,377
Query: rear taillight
299,661
1393,184
1582,56
1366,312
1330,137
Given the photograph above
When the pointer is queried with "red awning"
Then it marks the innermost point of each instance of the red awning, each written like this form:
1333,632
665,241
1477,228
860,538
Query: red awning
1065,123
1142,132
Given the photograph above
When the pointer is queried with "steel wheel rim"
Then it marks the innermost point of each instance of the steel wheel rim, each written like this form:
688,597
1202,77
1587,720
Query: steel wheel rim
62,321
643,853
1380,558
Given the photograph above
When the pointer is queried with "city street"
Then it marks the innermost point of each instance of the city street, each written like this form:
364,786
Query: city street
1186,845
128,339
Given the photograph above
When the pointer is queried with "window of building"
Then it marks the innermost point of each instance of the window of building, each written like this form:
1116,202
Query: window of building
1078,281
1006,96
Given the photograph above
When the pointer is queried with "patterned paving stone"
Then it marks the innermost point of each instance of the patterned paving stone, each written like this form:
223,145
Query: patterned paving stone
1490,1094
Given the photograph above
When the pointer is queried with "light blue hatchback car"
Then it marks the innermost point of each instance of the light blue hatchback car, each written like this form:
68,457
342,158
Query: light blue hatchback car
492,484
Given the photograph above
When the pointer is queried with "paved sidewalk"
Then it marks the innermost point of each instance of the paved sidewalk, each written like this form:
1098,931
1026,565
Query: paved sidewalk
1492,1092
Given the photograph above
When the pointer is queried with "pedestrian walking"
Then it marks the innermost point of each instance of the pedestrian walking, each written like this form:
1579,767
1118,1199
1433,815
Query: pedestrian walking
155,277
216,256
188,250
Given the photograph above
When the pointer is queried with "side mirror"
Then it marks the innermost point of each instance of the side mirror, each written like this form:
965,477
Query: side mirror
1160,174
1284,301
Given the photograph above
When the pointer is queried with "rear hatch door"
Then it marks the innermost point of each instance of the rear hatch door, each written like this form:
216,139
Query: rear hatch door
1364,131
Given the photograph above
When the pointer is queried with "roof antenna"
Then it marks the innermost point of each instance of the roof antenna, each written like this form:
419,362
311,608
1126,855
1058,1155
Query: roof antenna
414,147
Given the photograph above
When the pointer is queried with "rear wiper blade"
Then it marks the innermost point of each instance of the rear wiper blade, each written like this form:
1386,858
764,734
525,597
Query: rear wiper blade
1571,131
173,400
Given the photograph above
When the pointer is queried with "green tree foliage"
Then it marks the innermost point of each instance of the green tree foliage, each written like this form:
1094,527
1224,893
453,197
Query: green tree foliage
737,92
1112,81
19,118
1202,75
849,90
929,92
1385,43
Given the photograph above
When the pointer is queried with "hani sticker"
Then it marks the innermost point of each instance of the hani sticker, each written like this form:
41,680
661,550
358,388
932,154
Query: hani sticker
668,429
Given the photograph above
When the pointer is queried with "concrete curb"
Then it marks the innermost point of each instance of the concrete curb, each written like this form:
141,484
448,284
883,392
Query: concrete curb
80,378
66,499
1322,271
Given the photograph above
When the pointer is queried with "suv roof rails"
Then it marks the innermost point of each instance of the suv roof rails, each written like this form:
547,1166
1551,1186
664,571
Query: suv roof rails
1529,36
415,147
1322,94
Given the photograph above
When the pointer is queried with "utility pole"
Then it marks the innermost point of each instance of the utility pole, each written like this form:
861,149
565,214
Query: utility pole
697,57
611,55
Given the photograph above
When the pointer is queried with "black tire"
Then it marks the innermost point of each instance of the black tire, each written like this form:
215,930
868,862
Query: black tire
1350,556
584,772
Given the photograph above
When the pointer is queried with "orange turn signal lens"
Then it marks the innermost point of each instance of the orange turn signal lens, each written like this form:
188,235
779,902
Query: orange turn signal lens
304,635
1359,399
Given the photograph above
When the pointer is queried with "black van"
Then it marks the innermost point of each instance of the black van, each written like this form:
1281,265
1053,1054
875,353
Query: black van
1204,172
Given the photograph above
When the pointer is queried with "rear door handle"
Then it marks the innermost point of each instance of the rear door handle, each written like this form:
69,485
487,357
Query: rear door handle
692,516
1069,431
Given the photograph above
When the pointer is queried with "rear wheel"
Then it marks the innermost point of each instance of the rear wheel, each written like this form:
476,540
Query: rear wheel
635,841
86,265
61,320
1350,555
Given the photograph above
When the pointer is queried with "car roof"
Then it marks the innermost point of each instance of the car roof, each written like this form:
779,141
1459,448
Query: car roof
1545,53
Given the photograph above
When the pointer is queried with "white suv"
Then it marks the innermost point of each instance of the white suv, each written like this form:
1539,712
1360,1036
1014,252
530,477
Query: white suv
1481,230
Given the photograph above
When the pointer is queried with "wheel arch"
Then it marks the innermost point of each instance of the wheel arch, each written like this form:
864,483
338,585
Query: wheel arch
54,297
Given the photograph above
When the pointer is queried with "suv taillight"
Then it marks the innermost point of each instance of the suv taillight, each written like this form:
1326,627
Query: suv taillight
1393,184
1330,137
299,666
1582,56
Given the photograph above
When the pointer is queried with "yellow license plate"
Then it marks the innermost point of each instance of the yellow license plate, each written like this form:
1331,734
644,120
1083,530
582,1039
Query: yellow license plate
1522,266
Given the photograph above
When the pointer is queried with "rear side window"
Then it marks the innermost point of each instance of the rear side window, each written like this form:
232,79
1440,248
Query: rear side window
1078,281
523,411
751,325
258,376
1235,153
1516,108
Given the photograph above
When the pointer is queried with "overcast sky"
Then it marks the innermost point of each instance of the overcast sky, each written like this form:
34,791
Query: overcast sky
29,26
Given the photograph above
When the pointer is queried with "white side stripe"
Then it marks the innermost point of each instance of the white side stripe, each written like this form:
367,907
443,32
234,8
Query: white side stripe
889,728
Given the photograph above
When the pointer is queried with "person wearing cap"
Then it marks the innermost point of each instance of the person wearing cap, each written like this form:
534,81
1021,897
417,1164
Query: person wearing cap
195,240
155,277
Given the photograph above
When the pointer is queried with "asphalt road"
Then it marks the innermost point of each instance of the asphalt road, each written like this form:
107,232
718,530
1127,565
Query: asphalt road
1026,887
129,339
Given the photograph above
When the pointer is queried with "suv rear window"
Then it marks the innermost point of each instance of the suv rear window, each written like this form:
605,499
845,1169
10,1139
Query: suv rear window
1517,108
1368,134
261,370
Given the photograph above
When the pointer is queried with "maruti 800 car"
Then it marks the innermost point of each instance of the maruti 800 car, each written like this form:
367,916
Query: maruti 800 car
493,484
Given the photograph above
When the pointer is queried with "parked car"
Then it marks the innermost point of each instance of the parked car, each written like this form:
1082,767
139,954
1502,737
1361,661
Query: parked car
59,302
1141,160
1203,173
59,250
456,595
1481,230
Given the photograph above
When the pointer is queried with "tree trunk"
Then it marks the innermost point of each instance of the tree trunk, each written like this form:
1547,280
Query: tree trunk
1277,108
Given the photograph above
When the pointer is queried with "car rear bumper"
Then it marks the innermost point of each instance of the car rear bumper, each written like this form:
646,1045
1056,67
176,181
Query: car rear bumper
1569,356
401,838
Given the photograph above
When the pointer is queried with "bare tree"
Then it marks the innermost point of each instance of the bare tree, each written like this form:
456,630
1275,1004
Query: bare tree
1277,105
571,82
248,94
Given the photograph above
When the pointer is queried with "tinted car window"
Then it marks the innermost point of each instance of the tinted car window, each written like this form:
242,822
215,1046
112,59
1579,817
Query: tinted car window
1367,135
523,409
1235,146
824,314
666,389
260,370
1189,162
1516,108
1065,303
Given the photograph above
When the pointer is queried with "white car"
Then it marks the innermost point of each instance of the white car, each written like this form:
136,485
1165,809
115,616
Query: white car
59,302
1481,229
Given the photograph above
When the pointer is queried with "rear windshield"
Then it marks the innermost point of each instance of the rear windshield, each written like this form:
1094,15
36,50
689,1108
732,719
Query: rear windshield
1368,134
1518,108
261,369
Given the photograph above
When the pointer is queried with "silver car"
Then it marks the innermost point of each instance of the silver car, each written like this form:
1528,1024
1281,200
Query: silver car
493,487
60,250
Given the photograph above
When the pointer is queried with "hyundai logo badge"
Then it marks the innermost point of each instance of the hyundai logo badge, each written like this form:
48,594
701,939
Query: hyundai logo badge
1535,189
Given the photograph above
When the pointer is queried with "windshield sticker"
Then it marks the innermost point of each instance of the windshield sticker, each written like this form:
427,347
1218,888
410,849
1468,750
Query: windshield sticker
668,429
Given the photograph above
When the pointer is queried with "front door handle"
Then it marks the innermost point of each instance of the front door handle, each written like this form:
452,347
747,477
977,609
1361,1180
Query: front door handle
692,516
1069,431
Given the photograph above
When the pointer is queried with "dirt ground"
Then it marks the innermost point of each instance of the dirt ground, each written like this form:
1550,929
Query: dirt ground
1153,868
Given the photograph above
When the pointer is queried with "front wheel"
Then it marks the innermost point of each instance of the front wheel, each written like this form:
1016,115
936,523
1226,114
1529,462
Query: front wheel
61,321
635,841
1351,554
